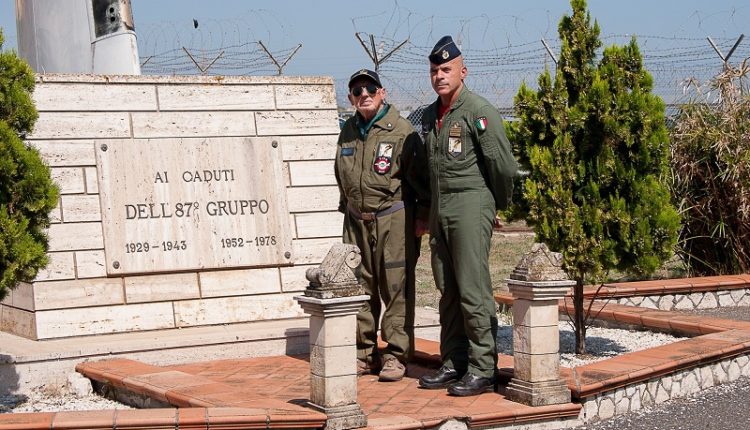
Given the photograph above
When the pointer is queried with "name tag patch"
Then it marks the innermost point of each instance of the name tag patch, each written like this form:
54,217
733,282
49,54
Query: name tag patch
345,152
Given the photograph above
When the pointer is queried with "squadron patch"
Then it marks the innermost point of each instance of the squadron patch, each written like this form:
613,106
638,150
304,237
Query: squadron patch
382,165
455,143
481,123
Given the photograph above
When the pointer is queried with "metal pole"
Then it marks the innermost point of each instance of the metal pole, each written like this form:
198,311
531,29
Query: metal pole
278,67
716,48
736,44
362,42
549,51
393,50
291,55
374,53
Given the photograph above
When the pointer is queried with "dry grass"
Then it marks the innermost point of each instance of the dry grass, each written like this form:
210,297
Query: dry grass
711,174
505,253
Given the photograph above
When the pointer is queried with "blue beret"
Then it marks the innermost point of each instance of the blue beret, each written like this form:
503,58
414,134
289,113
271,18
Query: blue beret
445,50
367,74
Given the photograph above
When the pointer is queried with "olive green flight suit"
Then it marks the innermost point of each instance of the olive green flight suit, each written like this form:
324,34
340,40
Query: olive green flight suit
471,169
382,179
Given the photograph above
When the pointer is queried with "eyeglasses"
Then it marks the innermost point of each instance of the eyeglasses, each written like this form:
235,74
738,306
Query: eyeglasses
371,90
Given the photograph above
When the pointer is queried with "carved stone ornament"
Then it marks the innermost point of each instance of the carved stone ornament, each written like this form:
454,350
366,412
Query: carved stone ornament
338,275
540,264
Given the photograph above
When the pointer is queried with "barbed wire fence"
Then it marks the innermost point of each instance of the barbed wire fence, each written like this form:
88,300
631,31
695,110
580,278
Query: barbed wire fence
497,74
497,66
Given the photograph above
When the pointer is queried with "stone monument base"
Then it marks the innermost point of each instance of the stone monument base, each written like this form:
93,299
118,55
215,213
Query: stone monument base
342,417
29,364
538,393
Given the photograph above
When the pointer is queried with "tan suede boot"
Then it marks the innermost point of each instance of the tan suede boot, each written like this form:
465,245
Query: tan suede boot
393,370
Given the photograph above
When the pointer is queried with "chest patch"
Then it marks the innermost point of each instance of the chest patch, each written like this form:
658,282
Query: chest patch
383,157
385,149
455,142
347,152
382,165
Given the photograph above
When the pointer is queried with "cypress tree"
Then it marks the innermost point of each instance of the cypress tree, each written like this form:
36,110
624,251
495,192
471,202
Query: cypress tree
27,194
595,144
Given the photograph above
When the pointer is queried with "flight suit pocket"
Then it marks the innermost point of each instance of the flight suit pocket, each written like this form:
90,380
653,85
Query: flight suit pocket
347,157
346,168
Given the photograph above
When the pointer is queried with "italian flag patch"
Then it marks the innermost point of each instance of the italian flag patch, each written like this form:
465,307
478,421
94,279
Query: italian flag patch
481,123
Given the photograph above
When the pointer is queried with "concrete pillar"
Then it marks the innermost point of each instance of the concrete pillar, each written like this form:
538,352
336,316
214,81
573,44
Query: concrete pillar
537,283
333,300
78,36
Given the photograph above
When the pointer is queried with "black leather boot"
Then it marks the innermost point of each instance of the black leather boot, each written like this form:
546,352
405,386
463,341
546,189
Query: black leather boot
440,378
472,385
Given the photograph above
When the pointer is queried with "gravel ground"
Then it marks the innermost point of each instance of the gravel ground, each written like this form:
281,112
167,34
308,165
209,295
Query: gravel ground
741,313
41,401
601,343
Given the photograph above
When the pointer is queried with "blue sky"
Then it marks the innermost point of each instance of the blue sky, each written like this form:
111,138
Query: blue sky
326,28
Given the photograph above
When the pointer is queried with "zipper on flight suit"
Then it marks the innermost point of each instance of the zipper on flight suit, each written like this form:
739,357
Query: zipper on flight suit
361,177
438,132
362,170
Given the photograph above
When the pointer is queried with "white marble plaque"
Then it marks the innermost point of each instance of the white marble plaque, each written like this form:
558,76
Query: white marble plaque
192,203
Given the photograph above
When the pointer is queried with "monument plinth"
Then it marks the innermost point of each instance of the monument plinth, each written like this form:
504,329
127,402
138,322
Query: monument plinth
333,299
537,283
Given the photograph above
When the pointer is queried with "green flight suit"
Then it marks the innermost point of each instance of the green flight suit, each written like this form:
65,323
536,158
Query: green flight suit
471,169
376,176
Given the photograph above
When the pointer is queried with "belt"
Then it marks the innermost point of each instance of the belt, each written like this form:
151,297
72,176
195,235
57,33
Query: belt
463,184
370,216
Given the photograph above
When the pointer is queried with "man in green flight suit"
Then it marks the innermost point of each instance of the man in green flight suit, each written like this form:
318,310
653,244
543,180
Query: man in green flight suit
381,171
471,169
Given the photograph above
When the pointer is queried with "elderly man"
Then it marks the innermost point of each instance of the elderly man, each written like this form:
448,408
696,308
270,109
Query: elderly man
471,169
382,177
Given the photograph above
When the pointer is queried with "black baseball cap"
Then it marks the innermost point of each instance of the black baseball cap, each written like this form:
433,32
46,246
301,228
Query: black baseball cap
367,74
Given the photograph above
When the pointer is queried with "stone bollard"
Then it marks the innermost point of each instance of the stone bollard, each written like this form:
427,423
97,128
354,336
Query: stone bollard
537,283
333,299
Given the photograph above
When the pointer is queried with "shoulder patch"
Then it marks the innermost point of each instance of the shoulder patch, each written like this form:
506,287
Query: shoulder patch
481,123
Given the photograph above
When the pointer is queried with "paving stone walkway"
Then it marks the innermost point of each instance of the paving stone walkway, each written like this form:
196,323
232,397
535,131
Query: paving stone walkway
271,392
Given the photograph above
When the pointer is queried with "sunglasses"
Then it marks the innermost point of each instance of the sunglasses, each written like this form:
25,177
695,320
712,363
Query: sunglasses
371,90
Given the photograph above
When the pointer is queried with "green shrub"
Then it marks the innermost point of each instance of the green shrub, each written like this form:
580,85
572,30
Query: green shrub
596,148
27,193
